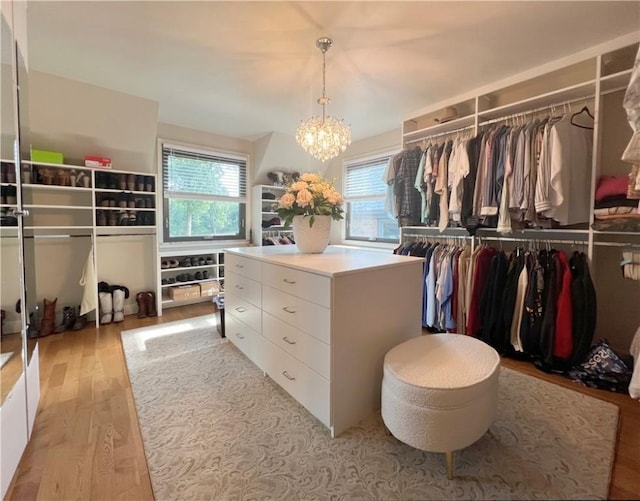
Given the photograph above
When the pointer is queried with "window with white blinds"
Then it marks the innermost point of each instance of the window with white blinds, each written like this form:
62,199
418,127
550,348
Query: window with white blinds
368,212
204,194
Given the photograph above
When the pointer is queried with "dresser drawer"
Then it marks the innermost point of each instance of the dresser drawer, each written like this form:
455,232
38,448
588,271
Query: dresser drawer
304,315
246,267
244,288
244,311
303,384
246,339
309,286
310,351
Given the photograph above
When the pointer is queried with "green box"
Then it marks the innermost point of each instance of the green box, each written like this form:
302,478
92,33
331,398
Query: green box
47,157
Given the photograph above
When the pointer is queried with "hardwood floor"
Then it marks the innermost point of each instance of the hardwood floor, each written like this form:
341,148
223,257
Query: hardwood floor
86,443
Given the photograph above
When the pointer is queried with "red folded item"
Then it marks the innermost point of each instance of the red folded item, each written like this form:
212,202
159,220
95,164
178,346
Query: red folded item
611,185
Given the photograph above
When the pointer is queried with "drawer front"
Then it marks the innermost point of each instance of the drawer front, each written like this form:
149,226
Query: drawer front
244,311
304,315
244,288
303,384
246,339
310,351
244,266
314,288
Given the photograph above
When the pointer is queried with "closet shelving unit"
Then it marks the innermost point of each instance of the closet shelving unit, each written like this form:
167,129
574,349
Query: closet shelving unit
60,209
215,270
264,210
597,77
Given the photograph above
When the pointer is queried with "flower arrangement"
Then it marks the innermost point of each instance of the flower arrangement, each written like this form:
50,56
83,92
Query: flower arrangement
310,195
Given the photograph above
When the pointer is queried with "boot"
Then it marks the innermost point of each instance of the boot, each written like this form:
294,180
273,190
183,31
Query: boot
106,307
118,305
141,299
81,320
68,319
151,303
48,324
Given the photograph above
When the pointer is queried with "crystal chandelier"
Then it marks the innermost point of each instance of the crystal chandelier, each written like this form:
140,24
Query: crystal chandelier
325,137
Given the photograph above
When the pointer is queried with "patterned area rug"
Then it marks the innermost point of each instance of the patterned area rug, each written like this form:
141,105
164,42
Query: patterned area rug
214,427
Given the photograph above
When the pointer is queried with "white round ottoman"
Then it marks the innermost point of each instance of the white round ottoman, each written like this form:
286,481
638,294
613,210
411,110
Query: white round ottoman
440,392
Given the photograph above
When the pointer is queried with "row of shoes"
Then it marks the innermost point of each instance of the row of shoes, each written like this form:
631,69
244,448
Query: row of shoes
186,262
57,177
111,299
125,218
119,181
127,200
186,277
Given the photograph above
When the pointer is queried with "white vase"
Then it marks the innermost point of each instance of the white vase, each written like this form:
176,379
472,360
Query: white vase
314,239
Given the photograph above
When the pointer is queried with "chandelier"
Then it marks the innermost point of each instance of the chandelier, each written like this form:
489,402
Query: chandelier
324,137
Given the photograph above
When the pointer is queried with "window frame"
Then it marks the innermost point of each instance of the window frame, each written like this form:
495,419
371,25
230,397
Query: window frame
359,161
242,200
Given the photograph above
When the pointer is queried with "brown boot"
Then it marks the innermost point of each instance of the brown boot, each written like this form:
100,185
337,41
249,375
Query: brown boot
151,303
141,299
48,324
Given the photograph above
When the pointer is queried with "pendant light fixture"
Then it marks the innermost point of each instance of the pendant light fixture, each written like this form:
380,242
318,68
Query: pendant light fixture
324,137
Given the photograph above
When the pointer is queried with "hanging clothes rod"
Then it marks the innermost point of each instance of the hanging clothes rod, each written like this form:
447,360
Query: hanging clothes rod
447,133
565,241
435,237
534,110
58,236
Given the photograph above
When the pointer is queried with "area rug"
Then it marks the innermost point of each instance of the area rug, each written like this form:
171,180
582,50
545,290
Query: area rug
214,427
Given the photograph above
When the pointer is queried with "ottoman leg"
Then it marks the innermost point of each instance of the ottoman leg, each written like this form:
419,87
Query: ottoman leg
449,456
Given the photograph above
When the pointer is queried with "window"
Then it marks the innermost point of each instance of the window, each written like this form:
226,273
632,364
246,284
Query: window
367,216
204,195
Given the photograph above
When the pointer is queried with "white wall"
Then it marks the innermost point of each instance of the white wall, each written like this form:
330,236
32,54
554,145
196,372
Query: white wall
382,143
79,119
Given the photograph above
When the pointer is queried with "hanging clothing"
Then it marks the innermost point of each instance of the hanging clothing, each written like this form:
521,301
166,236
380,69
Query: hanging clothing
89,282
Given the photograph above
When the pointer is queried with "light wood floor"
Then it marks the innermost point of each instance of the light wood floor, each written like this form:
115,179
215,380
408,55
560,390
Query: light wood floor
87,445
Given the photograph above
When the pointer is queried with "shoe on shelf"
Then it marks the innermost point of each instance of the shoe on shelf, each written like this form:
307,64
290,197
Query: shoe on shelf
171,280
123,218
182,277
185,262
205,274
190,277
165,281
198,275
202,261
209,260
173,263
164,264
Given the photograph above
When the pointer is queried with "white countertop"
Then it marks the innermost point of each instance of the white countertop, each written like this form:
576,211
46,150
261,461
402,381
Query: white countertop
332,262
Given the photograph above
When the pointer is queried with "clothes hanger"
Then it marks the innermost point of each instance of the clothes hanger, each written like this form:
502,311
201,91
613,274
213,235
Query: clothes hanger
586,110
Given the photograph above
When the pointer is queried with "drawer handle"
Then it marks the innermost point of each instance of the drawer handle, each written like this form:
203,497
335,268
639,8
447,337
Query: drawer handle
285,374
289,309
240,309
239,336
239,266
239,287
287,340
287,281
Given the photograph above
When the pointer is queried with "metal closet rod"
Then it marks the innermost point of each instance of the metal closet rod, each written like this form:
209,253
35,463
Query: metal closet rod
570,241
447,133
535,110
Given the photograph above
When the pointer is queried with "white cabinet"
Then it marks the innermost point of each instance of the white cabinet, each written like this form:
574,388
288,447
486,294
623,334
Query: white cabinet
266,223
326,322
597,78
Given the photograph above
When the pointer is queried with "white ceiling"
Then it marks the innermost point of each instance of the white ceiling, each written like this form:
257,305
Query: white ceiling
244,69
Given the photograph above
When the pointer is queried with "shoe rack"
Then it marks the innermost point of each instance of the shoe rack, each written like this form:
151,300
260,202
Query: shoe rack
75,201
190,276
266,221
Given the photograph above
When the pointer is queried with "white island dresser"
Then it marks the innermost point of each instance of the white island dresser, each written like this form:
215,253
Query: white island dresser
320,324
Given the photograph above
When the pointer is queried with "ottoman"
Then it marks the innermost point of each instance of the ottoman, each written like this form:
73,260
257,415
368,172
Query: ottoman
440,392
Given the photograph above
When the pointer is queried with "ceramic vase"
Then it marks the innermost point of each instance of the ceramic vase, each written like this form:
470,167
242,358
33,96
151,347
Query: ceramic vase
314,239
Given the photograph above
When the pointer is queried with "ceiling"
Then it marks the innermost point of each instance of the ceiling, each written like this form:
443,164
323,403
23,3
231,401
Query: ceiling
244,69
